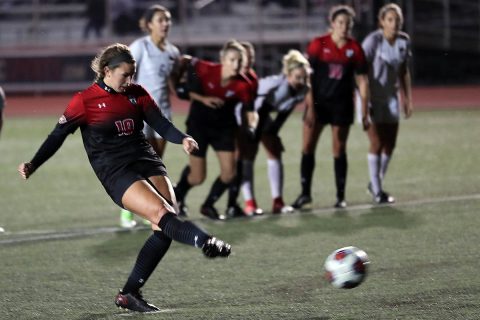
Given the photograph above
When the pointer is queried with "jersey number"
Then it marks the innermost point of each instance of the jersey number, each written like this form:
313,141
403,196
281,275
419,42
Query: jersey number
335,71
125,127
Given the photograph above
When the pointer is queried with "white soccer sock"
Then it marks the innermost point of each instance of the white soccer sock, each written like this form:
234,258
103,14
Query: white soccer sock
374,172
275,175
384,161
247,180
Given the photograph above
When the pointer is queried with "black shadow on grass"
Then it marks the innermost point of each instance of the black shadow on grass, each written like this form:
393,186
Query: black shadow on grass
339,222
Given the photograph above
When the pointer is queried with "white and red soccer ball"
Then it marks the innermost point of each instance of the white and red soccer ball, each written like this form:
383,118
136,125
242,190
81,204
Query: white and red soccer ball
346,267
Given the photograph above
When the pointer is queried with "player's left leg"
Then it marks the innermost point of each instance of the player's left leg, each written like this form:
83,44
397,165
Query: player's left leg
389,134
227,174
339,146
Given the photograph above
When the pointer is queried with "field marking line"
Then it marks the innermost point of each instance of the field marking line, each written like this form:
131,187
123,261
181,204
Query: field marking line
45,235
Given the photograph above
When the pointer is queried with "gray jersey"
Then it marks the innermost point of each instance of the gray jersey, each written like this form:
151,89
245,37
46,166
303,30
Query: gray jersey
2,99
154,67
385,62
275,91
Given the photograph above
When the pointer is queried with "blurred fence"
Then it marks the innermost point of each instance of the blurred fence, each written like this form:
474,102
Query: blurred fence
43,45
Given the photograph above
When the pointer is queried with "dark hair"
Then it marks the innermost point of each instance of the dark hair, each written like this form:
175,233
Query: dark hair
111,57
148,16
341,9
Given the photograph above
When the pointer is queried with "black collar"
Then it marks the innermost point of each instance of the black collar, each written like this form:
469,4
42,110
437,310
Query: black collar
105,86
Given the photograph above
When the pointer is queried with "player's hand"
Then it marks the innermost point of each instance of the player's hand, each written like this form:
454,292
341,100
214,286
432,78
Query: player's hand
25,169
213,102
408,109
189,145
365,122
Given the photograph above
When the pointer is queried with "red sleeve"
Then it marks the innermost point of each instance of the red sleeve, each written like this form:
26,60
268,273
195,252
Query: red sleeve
74,114
314,48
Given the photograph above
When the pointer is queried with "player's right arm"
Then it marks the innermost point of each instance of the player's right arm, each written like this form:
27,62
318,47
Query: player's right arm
68,123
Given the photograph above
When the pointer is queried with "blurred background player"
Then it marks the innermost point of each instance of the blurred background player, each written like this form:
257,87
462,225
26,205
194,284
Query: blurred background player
214,89
243,134
110,114
278,94
3,103
338,62
387,51
157,64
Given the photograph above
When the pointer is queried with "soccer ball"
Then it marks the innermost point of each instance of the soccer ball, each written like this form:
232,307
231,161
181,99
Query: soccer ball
346,267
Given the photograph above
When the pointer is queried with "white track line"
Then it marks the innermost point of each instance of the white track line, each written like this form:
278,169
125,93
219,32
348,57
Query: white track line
39,235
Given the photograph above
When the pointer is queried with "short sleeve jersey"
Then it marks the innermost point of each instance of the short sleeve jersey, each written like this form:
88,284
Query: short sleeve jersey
111,124
154,67
385,61
334,68
275,93
207,82
2,99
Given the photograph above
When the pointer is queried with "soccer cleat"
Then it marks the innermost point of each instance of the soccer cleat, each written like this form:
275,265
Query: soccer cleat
127,220
182,209
383,198
134,302
214,247
302,201
234,211
280,207
340,204
251,208
209,211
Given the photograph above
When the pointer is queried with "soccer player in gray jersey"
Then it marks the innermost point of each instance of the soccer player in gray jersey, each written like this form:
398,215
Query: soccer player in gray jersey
157,64
278,94
388,52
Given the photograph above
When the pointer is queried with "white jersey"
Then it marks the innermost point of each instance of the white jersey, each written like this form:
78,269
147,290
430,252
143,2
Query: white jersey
275,91
154,67
385,62
2,99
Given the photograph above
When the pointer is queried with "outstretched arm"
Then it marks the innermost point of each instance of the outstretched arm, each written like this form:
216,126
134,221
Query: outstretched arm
53,142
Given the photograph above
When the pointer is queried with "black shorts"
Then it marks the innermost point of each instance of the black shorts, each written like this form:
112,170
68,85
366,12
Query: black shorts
337,113
118,182
220,138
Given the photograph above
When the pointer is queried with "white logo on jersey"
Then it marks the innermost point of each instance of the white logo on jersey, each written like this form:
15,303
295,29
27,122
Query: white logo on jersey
326,50
102,105
349,53
229,93
62,120
211,85
133,101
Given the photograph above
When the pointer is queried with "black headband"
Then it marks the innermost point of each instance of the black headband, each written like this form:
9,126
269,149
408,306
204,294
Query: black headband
121,57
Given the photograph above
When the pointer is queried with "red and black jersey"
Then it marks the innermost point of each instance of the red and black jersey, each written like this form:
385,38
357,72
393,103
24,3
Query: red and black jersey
252,77
111,124
205,79
334,68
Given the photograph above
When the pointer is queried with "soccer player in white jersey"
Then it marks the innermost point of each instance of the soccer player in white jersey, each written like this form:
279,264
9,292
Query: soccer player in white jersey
157,65
2,106
277,97
388,52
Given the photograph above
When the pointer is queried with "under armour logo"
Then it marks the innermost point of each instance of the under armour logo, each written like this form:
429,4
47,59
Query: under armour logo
102,105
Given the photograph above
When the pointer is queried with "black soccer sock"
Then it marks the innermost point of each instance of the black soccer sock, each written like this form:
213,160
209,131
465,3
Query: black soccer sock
183,186
218,188
148,258
307,167
234,187
182,231
341,167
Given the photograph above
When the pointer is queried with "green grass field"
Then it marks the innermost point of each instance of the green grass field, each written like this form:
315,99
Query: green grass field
62,257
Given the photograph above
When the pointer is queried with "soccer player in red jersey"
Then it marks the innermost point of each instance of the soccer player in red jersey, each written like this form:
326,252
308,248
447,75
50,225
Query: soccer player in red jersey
338,62
111,114
215,89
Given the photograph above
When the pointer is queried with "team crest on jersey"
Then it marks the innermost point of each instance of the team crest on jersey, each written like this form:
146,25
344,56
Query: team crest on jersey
229,93
349,53
133,101
62,120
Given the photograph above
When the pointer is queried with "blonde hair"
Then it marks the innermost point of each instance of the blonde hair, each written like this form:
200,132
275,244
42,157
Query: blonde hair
292,60
390,7
111,57
250,51
233,45
149,14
